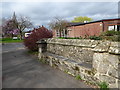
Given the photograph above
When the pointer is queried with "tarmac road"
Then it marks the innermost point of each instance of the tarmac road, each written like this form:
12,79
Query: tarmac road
22,70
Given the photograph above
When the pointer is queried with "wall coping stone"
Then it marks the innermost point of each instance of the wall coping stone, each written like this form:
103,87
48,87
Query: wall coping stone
73,42
103,46
96,45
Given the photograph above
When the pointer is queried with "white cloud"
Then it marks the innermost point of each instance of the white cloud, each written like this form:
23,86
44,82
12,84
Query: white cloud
42,12
59,1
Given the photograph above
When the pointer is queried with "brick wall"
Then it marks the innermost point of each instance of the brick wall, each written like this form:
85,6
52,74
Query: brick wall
90,29
86,30
110,23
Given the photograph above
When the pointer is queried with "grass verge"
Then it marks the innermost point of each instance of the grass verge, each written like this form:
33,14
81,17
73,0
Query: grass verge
10,40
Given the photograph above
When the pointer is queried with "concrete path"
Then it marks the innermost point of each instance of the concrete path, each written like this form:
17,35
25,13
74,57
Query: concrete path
22,70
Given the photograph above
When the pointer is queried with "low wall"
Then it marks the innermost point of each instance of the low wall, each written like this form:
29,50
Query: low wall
94,61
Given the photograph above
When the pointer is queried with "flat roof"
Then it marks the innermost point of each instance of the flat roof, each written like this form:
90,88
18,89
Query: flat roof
78,23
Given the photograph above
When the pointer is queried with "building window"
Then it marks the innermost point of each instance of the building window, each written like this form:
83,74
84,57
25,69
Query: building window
57,33
114,27
66,33
110,28
27,34
118,27
69,29
63,33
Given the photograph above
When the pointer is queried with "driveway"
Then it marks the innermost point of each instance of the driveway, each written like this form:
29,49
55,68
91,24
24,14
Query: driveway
22,70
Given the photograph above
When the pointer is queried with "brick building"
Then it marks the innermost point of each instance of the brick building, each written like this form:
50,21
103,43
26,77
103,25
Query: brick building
89,28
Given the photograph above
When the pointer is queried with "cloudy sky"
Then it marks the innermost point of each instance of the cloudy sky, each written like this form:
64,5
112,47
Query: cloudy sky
41,13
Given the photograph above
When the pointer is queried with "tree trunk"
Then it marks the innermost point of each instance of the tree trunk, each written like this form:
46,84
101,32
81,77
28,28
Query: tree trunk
20,35
60,33
12,35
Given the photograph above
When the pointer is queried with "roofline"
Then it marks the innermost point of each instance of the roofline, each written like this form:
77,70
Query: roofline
110,19
95,21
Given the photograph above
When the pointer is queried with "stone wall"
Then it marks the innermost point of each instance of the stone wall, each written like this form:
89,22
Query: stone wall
94,61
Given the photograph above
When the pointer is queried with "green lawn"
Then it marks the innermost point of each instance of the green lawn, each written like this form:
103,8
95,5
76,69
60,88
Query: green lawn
10,40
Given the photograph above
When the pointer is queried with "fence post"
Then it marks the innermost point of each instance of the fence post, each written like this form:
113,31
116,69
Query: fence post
42,45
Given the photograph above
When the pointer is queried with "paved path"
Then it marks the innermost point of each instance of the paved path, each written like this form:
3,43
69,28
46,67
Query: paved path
22,70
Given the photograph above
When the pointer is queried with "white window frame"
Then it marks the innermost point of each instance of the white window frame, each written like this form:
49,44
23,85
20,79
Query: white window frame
116,27
110,28
57,33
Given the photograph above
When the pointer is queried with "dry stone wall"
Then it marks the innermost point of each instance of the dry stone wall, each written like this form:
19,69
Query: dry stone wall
94,61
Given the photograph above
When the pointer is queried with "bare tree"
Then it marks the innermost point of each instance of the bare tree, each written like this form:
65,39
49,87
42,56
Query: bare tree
17,23
58,24
22,23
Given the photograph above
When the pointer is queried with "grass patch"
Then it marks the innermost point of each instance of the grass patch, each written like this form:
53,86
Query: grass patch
10,40
66,71
103,86
42,61
78,77
33,52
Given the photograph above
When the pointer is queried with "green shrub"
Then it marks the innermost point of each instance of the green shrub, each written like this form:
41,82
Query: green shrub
95,38
62,37
76,38
70,37
111,33
111,38
103,86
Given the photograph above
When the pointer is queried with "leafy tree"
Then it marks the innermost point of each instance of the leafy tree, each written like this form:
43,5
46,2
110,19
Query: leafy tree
58,24
7,27
82,19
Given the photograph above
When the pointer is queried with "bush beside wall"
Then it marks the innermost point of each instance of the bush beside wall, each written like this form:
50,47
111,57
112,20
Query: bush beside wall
37,34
